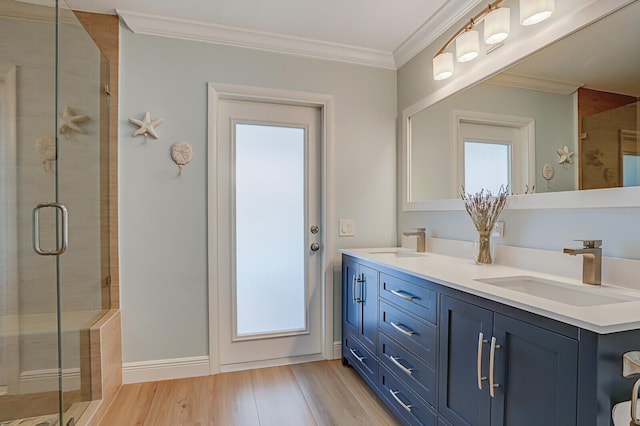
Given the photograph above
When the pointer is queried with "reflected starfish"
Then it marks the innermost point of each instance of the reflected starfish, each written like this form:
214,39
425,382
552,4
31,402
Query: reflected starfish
565,156
69,122
147,126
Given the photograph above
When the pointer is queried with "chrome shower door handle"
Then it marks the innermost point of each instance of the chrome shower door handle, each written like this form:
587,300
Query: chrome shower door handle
36,229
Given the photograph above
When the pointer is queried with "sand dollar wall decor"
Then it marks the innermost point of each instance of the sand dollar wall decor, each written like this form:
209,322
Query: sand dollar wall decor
181,153
46,147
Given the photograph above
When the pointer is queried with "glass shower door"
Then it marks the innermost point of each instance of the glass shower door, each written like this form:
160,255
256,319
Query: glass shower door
28,282
53,212
82,165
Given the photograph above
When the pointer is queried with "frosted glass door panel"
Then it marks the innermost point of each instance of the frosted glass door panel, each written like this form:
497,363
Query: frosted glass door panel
270,199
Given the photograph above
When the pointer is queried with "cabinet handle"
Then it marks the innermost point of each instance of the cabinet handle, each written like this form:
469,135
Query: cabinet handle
403,329
404,295
362,282
634,403
394,394
481,341
353,289
359,358
492,359
396,361
356,298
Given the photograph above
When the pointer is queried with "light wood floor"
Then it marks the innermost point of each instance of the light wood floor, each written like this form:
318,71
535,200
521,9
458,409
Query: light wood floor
319,393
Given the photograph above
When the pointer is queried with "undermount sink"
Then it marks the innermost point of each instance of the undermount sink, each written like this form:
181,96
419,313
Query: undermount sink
570,294
398,253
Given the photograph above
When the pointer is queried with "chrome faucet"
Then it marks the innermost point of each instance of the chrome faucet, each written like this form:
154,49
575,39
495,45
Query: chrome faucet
592,260
421,233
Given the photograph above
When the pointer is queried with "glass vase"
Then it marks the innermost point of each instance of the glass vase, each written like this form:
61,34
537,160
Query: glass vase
484,249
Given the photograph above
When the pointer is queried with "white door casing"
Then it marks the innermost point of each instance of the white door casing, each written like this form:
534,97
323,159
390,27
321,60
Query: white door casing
279,349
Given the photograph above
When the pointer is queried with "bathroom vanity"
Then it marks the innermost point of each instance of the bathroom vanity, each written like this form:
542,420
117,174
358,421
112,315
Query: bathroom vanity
443,341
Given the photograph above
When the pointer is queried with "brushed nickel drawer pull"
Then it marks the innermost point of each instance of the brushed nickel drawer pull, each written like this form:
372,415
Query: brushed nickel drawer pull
394,394
396,361
359,358
404,295
492,358
403,329
634,403
481,341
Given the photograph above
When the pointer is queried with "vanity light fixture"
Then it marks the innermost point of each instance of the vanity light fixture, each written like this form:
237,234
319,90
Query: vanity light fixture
535,11
467,45
497,26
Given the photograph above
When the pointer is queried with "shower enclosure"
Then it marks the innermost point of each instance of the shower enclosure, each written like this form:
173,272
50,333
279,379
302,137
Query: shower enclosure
54,227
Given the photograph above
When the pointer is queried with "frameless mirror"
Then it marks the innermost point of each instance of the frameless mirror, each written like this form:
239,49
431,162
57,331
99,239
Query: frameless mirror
563,119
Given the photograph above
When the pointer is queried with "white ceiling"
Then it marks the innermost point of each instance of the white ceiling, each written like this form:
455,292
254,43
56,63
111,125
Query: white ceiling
380,26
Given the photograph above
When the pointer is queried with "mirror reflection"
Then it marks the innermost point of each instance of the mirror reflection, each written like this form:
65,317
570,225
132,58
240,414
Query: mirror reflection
563,119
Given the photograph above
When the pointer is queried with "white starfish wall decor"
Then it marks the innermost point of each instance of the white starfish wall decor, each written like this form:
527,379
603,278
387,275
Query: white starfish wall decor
147,126
565,156
69,122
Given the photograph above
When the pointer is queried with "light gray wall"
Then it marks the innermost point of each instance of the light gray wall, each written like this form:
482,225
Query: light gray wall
545,229
163,219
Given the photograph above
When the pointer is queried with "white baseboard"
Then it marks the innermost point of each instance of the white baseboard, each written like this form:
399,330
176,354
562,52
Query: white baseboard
35,381
337,349
165,369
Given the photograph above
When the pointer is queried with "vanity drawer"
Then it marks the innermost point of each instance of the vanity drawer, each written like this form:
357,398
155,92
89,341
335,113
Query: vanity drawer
361,359
409,331
406,403
409,368
414,298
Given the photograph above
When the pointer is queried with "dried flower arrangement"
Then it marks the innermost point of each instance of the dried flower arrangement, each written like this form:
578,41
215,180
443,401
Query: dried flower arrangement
484,208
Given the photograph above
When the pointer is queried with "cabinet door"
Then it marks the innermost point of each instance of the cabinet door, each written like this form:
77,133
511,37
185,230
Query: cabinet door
537,374
460,399
350,295
369,295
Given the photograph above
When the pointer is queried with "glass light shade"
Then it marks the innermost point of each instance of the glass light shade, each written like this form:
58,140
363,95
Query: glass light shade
497,25
534,11
467,45
443,66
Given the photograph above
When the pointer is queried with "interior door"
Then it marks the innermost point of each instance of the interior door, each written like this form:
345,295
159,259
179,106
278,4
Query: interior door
269,236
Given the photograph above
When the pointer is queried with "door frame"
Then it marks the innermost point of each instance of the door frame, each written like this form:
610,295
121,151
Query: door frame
220,91
523,163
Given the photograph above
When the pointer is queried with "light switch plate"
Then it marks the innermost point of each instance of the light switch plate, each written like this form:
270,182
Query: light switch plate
346,228
498,230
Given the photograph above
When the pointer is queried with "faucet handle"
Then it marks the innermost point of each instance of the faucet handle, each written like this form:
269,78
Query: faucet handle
420,229
591,243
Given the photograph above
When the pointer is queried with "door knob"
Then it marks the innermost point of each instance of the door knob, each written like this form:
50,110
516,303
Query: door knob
315,247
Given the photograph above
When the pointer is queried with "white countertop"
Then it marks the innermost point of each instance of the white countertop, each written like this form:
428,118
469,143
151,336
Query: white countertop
461,274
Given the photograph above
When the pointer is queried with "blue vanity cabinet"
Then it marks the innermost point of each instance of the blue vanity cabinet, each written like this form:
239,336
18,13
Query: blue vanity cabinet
360,317
534,371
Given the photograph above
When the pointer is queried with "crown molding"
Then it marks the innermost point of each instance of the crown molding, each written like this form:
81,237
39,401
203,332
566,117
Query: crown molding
524,81
450,13
164,26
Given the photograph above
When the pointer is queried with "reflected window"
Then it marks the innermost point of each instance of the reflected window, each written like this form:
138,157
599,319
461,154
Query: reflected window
486,165
630,170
